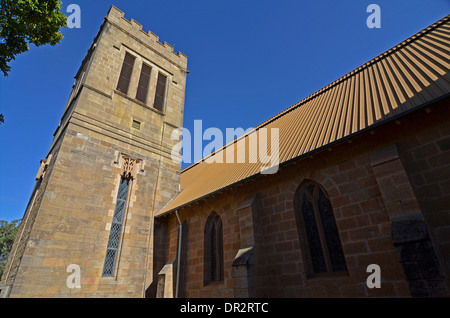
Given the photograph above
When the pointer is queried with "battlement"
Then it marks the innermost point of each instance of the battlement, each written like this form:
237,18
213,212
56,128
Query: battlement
134,28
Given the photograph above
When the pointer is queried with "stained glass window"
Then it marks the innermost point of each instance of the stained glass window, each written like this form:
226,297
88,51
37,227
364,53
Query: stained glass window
116,228
318,228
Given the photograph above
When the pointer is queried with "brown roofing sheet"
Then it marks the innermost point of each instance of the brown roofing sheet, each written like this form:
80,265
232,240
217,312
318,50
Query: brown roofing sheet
409,75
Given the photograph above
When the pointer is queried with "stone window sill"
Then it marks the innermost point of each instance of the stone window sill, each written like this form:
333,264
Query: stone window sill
138,102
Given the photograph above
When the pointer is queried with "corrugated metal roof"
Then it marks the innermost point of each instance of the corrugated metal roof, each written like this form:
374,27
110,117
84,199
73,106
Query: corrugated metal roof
413,73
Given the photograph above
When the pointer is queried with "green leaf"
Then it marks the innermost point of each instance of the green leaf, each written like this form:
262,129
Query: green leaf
28,21
8,233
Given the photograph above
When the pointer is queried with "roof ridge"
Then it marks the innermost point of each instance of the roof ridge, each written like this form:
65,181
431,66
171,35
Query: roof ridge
324,89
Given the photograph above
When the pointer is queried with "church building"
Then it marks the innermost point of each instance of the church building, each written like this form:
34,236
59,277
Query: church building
357,203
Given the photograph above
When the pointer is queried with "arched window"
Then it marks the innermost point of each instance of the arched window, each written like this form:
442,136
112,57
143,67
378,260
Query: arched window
317,227
213,249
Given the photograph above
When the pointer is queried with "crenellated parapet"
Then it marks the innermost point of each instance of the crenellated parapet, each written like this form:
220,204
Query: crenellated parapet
134,29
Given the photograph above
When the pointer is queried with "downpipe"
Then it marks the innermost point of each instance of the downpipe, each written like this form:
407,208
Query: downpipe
178,254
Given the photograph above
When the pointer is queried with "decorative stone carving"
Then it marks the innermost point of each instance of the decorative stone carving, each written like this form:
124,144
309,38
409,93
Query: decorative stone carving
129,168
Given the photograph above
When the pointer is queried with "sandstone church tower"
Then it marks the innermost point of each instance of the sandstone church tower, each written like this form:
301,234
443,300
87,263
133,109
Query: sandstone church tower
108,170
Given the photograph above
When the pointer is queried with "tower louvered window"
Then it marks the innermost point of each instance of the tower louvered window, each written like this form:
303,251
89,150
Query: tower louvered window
125,73
160,92
144,81
116,228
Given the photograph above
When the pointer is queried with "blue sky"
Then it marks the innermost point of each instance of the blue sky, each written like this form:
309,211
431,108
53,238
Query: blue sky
248,61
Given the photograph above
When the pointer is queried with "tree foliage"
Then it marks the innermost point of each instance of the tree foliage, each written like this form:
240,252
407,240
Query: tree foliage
8,231
28,21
